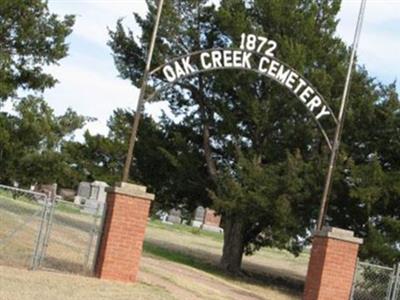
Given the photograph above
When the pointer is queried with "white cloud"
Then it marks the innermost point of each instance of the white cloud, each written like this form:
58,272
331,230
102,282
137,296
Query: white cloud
379,41
90,93
379,52
93,17
376,12
117,6
91,30
88,79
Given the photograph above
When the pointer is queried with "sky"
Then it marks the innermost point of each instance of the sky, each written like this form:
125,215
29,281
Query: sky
89,82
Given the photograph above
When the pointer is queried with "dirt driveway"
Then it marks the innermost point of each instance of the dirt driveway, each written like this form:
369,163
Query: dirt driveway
188,283
158,279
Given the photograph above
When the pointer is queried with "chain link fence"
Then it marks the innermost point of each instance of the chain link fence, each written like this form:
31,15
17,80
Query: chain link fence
21,217
372,282
40,231
74,233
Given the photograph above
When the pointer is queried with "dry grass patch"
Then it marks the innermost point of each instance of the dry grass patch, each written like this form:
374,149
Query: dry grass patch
16,240
17,284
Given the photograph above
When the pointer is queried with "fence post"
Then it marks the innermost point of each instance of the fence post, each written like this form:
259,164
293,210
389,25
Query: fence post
39,237
49,222
394,286
388,295
100,232
91,237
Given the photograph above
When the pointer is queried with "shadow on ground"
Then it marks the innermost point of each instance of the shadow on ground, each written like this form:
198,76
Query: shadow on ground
209,262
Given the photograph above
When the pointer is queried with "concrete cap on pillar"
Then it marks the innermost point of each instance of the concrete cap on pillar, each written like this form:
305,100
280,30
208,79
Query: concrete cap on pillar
338,234
130,189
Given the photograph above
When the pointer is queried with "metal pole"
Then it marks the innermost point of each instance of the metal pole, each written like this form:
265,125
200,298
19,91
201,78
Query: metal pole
100,231
339,127
140,103
49,223
92,233
395,288
39,237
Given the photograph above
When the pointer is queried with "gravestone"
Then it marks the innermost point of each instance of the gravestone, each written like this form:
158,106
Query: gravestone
174,216
198,217
90,196
83,193
207,219
97,197
163,215
212,221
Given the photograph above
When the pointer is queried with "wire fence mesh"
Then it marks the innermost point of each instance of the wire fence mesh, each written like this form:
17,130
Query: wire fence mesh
40,231
374,282
21,214
71,242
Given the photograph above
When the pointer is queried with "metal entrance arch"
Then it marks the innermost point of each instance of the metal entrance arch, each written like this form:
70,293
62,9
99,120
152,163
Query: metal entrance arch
165,85
334,147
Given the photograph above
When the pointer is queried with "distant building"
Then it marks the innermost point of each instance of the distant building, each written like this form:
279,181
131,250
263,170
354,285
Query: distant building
67,194
43,188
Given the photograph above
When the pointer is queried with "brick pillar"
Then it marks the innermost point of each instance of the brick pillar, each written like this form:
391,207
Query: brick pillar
332,265
124,228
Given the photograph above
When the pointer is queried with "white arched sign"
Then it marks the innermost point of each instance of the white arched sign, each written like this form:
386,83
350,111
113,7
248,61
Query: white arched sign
256,54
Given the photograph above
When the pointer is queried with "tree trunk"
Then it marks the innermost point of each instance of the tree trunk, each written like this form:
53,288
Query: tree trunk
232,251
211,167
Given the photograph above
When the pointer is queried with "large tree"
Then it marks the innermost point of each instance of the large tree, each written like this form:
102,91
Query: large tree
264,156
30,143
31,38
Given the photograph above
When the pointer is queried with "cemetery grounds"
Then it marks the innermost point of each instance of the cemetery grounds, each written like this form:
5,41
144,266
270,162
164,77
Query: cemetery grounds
179,262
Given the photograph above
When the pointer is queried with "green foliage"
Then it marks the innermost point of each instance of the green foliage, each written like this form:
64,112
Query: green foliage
272,201
30,143
30,38
186,229
367,187
165,162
